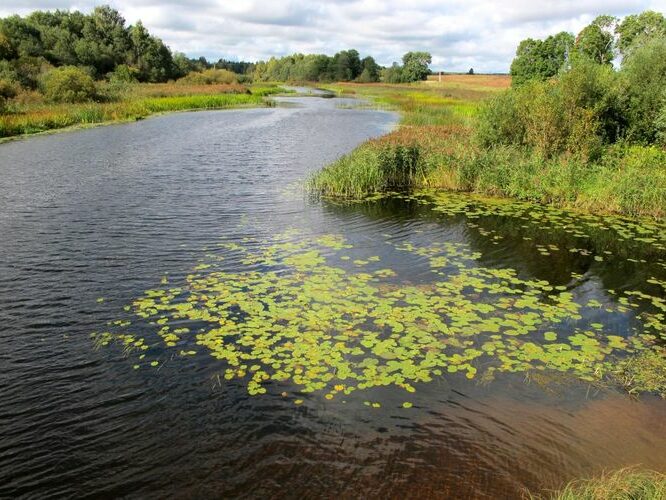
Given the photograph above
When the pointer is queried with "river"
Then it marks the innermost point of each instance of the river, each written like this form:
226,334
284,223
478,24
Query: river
198,222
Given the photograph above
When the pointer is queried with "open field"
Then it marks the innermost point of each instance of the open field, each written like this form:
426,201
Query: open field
471,81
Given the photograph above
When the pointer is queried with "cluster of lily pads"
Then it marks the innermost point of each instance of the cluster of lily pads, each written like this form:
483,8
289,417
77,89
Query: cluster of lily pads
308,313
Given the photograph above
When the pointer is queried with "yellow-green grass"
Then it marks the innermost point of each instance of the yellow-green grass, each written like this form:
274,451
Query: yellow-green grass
625,484
132,103
439,120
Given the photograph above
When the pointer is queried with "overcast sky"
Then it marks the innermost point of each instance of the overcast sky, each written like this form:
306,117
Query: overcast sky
460,34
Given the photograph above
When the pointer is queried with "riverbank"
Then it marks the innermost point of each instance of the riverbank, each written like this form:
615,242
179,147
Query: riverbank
133,103
436,147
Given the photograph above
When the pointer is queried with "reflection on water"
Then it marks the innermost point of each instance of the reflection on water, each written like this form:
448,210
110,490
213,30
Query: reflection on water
204,209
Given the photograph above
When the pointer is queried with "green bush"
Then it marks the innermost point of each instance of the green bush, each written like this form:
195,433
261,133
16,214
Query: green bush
123,74
500,122
68,84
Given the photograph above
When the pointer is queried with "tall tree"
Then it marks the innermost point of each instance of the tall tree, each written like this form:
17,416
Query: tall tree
415,66
541,59
638,28
596,41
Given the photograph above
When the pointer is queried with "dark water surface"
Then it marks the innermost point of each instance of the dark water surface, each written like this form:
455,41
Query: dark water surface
110,212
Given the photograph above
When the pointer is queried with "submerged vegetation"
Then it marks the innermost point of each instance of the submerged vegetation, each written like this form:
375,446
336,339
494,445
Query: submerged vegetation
625,484
590,137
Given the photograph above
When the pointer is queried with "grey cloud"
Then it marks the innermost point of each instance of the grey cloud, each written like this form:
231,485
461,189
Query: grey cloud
459,33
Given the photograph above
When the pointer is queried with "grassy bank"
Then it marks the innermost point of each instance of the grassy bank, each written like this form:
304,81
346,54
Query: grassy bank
131,103
436,146
625,484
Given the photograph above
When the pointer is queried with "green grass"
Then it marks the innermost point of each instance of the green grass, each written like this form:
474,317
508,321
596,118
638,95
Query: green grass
625,484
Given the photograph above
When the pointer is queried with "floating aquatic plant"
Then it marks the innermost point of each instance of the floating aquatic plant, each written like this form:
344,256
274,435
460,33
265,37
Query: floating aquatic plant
303,312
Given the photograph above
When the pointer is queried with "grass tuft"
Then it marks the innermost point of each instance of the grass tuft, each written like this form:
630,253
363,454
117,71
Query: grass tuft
625,484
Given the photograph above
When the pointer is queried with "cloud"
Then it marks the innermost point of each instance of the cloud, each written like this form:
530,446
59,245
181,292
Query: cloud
459,33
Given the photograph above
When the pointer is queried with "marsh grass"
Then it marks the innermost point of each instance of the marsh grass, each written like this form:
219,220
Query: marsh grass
133,103
625,484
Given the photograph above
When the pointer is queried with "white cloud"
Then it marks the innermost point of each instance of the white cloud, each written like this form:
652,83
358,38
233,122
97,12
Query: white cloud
459,33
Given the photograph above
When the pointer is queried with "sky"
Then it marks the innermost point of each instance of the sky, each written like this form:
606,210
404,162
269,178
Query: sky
460,34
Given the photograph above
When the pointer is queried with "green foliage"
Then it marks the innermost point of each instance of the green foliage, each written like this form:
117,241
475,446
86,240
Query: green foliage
370,71
123,74
660,122
6,49
209,77
151,58
574,114
393,74
68,84
644,78
636,29
596,41
541,59
415,66
99,41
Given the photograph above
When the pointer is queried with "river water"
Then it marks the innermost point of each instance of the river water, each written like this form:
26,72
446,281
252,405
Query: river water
98,400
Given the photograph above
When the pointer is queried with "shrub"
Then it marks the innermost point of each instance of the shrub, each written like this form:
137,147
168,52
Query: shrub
209,77
499,121
68,84
8,91
123,74
576,113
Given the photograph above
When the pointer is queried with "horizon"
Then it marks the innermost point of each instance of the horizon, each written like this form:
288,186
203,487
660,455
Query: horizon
459,35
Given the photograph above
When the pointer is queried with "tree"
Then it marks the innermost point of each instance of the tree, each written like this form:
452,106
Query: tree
105,41
415,66
638,28
150,56
471,71
644,80
393,74
541,59
6,49
596,41
370,71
